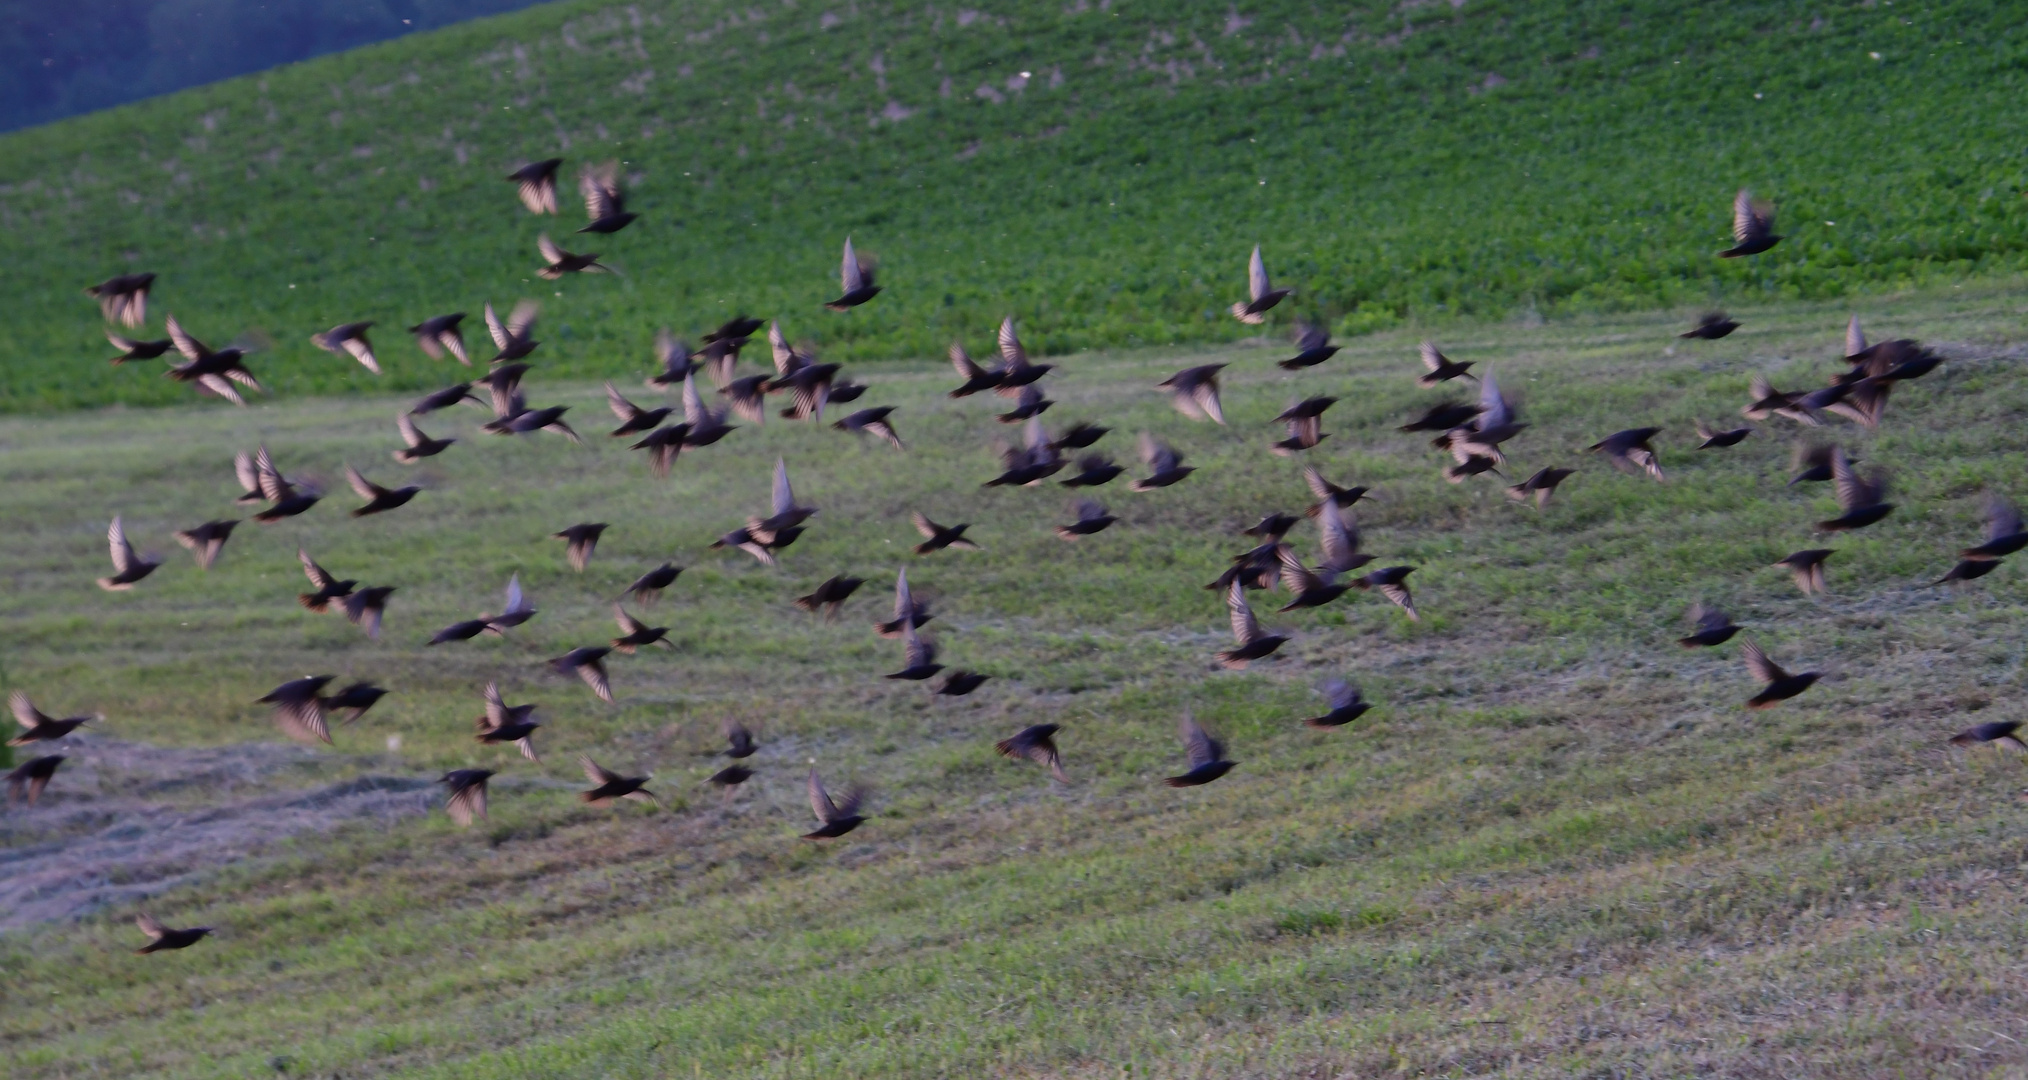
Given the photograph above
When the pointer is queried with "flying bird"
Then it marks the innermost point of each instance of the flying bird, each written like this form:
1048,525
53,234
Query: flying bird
746,398
1443,416
610,786
327,588
855,281
1346,702
2000,733
36,726
1861,498
206,540
1811,463
1091,518
1438,368
664,445
439,335
834,819
938,537
514,338
1034,461
379,499
579,542
2003,531
561,262
909,612
349,339
960,683
633,418
605,203
443,399
1165,465
1036,743
162,938
976,378
634,633
830,595
128,567
589,665
1631,452
1029,404
32,776
704,426
123,299
365,607
729,778
354,700
647,588
1328,494
738,739
504,723
1305,431
1968,570
1392,581
212,370
675,362
467,795
1541,486
536,184
1261,294
1711,326
1194,391
132,349
1807,566
1716,440
1253,643
785,512
1092,471
1078,436
743,539
516,610
1206,757
1752,226
918,656
1768,401
1714,627
419,445
285,497
1313,347
299,710
1781,685
1016,370
873,422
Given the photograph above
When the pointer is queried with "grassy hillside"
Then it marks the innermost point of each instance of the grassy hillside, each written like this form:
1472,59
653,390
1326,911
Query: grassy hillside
1557,847
1098,170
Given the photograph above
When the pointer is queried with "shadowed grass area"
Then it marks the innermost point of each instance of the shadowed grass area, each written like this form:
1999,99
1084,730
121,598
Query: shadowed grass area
1558,846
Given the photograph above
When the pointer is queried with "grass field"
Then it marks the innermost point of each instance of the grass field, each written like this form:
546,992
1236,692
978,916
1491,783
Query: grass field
1099,170
1557,847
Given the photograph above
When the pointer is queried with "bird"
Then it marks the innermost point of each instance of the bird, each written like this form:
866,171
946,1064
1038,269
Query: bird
514,338
1092,471
1808,568
328,588
610,786
354,700
730,777
786,513
1029,404
579,542
918,656
1329,494
1968,570
633,418
909,612
504,723
1443,416
1165,465
349,339
132,349
32,775
1034,461
745,397
1861,498
285,497
976,378
834,819
1714,627
419,445
365,607
605,204
37,726
704,426
1261,295
1078,436
2003,531
736,329
443,399
873,422
1768,401
561,262
1631,451
589,665
1480,437
1714,440
2001,733
299,711
1315,588
663,445
830,595
128,567
1711,326
647,588
1811,463
1781,685
379,500
513,612
960,683
938,537
1272,527
675,359
1091,518
1541,486
743,539
1036,743
206,540
467,796
855,281
1438,368
1313,347
1392,581
634,633
1205,754
212,370
1346,705
124,298
439,335
797,371
1253,643
739,740
163,938
464,630
536,184
1752,226
1194,391
1016,370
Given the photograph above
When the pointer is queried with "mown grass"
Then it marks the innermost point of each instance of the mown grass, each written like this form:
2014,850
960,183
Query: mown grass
1557,847
1412,162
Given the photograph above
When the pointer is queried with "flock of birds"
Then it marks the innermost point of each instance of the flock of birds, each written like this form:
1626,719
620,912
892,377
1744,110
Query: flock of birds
1471,433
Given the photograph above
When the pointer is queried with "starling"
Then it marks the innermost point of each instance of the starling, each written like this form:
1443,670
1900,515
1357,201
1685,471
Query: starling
504,723
354,700
677,361
514,611
1768,401
1630,451
1016,371
647,588
2000,733
579,542
514,338
1711,326
786,512
633,418
1253,643
123,299
560,262
1034,461
1078,436
378,499
605,204
419,445
1808,568
743,539
1752,226
1165,465
938,537
738,328
459,631
32,775
1781,685
1091,518
611,786
1811,463
285,497
918,657
705,426
1443,417
664,445
38,727
1305,432
1272,527
834,819
365,607
855,281
299,711
1714,627
909,612
960,683
976,378
1310,588
1313,347
128,567
634,633
1714,440
537,186
1392,581
443,399
131,349
2003,531
1260,294
1194,391
163,938
212,370
1206,756
349,339
1029,404
1346,705
830,595
1438,368
1328,493
730,777
745,396
439,335
1540,486
1859,497
205,540
739,740
872,422
587,664
1968,570
1036,743
467,797
328,588
1093,470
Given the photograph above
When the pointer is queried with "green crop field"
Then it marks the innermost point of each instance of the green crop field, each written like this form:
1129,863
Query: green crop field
1558,846
1099,170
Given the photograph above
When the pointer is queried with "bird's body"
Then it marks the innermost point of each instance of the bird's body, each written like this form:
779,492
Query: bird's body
918,656
1206,757
579,541
609,787
960,683
328,588
938,537
1861,498
419,445
1250,641
285,497
504,723
513,338
1780,684
1165,465
1392,582
830,595
365,608
536,184
647,588
132,349
1261,295
634,633
976,378
349,339
465,800
873,422
605,203
2000,733
30,777
633,418
1631,451
1036,743
379,500
1313,347
163,939
1808,568
1091,518
2004,535
123,299
1713,439
834,819
1347,705
1194,392
855,281
1092,471
128,567
560,262
1768,401
206,540
443,399
37,726
1714,627
1752,226
588,664
1711,326
440,335
909,612
299,708
1439,369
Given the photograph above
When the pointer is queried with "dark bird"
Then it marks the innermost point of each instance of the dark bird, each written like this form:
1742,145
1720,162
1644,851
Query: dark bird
830,595
443,399
1470,465
1859,497
349,339
647,588
1253,643
730,777
299,710
459,631
845,390
960,684
1313,347
1630,451
285,497
1346,705
938,537
328,588
1339,538
1781,685
1272,527
834,819
873,422
1808,568
32,775
212,370
1752,226
664,445
365,607
1206,757
128,567
514,338
1034,461
1194,392
610,786
440,335
746,398
798,372
1261,295
743,539
563,262
1078,436
1714,627
1713,440
419,445
467,797
587,664
786,513
1768,401
738,328
2001,733
1028,405
1328,493
132,349
2003,531
1968,570
674,359
1036,743
738,740
1540,486
976,378
37,726
354,700
1015,369
537,186
379,500
504,723
1392,581
164,938
918,656
579,542
855,281
605,203
908,611
1165,465
1443,417
702,426
632,417
205,540
1257,568
1811,463
1093,470
1711,326
1091,518
1438,368
123,299
1903,360
634,633
1305,432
